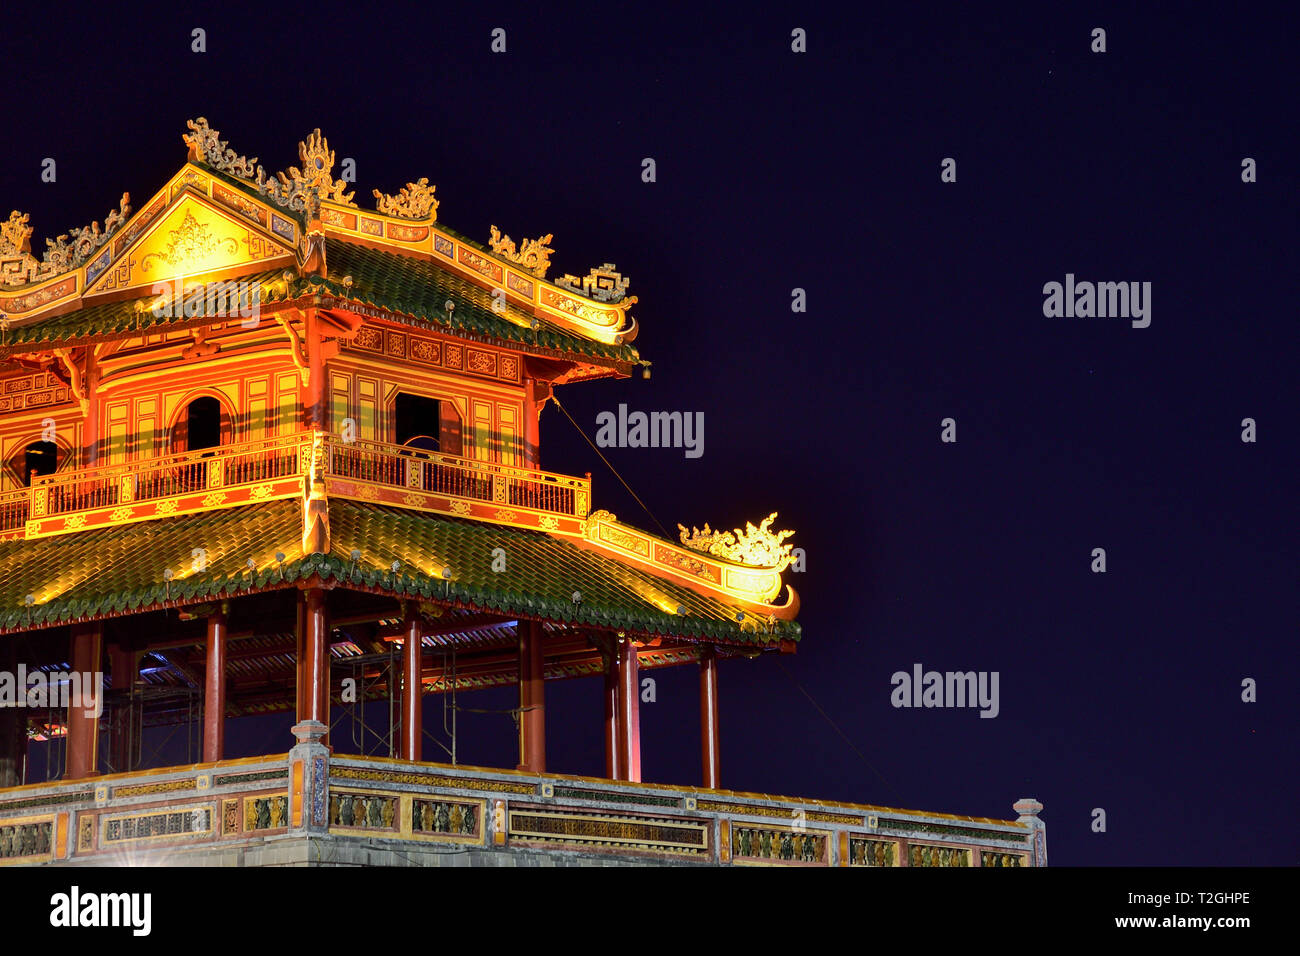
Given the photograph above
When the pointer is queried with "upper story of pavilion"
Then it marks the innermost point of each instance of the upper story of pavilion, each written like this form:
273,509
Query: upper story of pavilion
246,338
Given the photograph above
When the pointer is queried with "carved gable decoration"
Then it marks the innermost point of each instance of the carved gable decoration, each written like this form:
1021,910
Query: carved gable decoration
192,238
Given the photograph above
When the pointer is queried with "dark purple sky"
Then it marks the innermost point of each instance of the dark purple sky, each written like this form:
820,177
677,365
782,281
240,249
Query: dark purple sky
821,171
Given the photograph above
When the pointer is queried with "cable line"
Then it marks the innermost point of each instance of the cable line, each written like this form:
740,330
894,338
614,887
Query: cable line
662,529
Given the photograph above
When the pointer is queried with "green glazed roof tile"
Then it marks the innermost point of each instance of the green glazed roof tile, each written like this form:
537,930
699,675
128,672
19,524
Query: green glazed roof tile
114,570
542,573
420,288
111,570
108,318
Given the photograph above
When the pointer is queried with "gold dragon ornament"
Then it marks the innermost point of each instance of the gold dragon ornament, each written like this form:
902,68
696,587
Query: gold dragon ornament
758,547
413,201
62,255
533,254
206,146
18,265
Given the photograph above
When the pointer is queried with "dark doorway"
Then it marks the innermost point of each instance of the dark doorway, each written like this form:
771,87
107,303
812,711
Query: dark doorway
203,424
419,422
40,458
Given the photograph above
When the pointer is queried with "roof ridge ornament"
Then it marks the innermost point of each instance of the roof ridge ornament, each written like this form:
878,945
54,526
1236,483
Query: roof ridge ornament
533,254
17,264
62,256
206,146
602,283
16,234
304,191
755,546
413,201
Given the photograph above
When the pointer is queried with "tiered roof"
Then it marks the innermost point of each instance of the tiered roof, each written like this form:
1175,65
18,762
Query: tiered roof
397,262
299,239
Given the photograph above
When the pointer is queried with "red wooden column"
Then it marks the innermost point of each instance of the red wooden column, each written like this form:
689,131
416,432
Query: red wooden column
122,670
83,731
629,712
532,699
412,690
537,392
532,426
214,689
314,406
613,767
314,689
709,751
300,655
13,728
13,745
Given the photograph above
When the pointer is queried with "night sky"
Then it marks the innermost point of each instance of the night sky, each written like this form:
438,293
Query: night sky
821,171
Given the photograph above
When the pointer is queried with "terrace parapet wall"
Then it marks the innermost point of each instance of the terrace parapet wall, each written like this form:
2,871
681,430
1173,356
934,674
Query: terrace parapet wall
273,809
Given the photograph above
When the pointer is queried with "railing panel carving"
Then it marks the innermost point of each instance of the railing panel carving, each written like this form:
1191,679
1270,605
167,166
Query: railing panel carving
254,471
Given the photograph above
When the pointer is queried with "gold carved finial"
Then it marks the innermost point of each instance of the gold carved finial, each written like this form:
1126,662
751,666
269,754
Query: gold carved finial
758,547
533,254
413,201
318,160
303,189
206,146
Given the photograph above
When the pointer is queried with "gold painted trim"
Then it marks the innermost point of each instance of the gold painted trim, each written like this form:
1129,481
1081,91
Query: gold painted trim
772,798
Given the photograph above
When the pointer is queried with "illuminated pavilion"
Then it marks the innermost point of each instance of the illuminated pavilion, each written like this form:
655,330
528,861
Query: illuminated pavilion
263,450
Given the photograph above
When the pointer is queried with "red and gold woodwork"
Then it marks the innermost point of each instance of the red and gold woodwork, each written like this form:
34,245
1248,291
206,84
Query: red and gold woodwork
203,354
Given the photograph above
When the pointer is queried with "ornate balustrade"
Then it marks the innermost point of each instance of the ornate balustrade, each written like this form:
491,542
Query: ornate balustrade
14,507
310,805
150,479
447,484
396,466
230,475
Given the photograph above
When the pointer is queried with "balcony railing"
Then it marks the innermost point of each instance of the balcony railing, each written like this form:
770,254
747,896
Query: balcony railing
399,466
14,506
200,479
